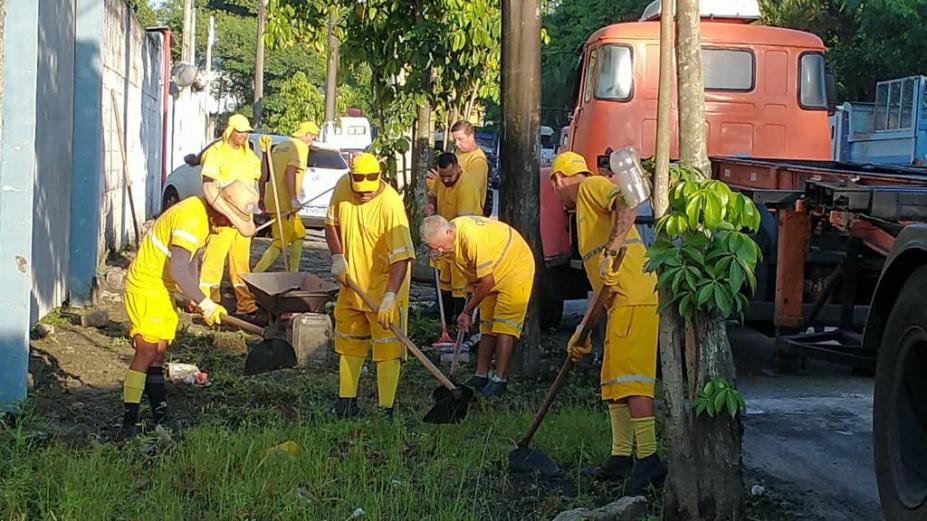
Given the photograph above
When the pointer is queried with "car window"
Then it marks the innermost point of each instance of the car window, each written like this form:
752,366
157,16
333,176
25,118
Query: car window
326,159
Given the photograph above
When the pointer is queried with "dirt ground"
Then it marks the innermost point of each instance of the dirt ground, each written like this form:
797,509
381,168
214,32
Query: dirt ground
77,374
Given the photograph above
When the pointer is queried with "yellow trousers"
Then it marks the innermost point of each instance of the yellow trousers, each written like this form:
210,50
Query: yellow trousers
629,367
227,242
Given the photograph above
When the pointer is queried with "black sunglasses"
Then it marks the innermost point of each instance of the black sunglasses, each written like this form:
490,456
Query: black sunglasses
360,177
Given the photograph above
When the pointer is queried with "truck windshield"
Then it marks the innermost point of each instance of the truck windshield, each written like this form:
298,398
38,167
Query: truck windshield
615,73
329,159
812,91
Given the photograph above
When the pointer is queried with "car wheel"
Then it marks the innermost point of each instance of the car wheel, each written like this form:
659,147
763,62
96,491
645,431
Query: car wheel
900,405
170,198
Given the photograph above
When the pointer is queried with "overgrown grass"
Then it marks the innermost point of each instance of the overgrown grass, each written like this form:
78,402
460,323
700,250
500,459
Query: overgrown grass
218,468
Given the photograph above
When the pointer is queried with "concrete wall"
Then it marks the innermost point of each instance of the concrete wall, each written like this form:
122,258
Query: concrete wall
132,70
54,95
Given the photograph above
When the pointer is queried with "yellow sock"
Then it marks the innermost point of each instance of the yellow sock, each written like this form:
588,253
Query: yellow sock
645,431
267,260
387,381
620,417
133,386
349,370
296,253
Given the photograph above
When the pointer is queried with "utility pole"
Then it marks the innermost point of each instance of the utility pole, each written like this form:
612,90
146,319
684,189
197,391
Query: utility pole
520,190
259,65
210,40
331,75
188,49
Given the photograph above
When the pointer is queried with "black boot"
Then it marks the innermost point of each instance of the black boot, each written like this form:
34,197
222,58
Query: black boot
615,468
646,473
494,388
477,382
130,424
388,414
346,408
157,395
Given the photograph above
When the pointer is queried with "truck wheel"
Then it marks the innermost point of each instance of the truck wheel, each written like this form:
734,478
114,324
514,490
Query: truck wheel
900,405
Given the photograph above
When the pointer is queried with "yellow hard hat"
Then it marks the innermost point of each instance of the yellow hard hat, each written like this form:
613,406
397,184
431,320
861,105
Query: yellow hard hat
239,123
569,164
306,127
367,165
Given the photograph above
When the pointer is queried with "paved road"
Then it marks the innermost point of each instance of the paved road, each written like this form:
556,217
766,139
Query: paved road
808,436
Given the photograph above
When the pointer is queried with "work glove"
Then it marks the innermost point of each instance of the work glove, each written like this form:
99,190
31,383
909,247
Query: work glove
264,142
607,272
464,321
294,203
212,312
339,267
576,350
386,313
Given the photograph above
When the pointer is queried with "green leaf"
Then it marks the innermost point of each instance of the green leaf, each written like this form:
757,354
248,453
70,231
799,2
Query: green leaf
735,276
665,277
731,404
751,277
723,300
685,306
705,294
712,211
694,254
677,279
741,402
693,211
692,278
709,388
700,404
718,401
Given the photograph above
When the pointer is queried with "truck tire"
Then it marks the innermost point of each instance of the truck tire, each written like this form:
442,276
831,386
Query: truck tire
900,405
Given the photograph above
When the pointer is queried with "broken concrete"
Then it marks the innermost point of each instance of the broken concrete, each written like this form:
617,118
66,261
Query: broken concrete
95,317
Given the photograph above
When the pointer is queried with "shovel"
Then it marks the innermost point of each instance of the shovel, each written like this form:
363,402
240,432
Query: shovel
524,458
452,401
269,354
445,340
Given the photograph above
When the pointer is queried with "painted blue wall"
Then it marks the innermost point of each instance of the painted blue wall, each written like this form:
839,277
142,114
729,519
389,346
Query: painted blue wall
17,174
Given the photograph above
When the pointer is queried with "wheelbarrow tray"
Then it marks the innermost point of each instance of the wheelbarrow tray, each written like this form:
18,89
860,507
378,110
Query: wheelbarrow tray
290,292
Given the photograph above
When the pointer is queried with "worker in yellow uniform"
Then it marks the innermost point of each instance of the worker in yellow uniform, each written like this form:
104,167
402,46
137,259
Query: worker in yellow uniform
452,194
228,160
499,264
167,256
473,161
290,160
367,232
630,361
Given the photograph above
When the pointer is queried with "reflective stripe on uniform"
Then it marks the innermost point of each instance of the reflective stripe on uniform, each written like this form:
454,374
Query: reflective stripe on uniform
187,236
347,336
159,245
385,340
630,378
512,323
592,253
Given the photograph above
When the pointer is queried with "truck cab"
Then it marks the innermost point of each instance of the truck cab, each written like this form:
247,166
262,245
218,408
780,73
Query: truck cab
765,97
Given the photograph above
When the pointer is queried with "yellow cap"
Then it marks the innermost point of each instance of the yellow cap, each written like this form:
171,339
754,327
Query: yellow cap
306,127
365,163
239,123
569,164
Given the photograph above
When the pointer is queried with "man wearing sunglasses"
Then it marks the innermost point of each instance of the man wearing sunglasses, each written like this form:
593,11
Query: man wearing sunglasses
368,235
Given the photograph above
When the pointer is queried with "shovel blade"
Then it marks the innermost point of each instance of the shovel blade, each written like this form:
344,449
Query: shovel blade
449,408
270,355
526,459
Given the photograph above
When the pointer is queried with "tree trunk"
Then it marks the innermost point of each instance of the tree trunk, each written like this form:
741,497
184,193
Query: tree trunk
451,119
421,162
664,112
520,189
692,146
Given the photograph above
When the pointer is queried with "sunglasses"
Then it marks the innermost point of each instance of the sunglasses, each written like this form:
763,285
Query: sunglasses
361,177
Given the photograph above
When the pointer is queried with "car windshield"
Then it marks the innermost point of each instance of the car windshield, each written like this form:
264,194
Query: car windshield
326,159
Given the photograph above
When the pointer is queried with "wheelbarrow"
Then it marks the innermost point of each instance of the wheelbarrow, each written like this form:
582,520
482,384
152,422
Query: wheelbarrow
279,294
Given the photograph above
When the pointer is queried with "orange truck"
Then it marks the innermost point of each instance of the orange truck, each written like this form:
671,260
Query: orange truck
765,96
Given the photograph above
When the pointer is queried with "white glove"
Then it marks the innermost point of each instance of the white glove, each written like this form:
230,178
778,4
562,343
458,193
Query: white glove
212,312
339,266
294,203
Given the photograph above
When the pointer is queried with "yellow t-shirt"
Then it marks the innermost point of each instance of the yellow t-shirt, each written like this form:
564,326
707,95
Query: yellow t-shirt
463,198
475,165
293,152
186,224
595,205
374,235
225,164
486,246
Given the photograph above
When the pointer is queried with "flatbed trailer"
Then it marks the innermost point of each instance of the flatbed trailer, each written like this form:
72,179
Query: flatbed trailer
827,227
